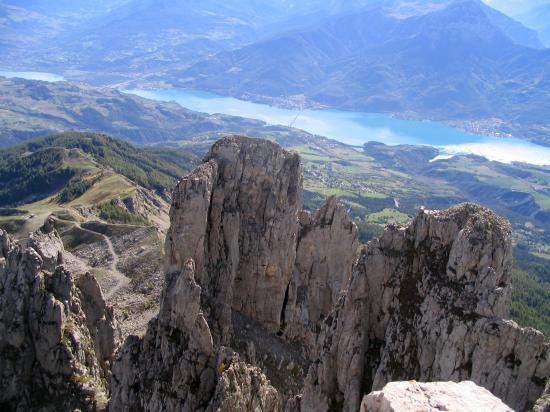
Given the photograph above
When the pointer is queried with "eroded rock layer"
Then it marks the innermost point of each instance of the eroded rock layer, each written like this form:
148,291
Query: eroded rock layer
57,338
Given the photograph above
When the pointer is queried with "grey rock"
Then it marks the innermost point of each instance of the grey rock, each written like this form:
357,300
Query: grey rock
175,366
6,244
432,397
326,250
427,302
236,216
242,387
54,354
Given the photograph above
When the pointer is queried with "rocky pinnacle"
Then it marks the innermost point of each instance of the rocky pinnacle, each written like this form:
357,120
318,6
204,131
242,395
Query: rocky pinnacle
428,301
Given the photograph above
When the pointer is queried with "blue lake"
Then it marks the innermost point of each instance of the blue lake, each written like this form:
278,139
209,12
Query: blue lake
356,128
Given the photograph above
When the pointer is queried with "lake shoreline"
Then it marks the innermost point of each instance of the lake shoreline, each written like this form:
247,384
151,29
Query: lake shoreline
356,128
347,127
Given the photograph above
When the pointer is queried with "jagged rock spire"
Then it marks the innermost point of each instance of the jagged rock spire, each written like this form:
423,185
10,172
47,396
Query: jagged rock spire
57,338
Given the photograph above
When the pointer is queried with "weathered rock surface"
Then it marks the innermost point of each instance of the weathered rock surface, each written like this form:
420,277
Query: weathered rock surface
427,302
432,397
175,367
242,387
327,246
543,404
57,340
236,217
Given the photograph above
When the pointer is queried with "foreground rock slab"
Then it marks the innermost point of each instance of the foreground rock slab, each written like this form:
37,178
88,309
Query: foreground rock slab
432,397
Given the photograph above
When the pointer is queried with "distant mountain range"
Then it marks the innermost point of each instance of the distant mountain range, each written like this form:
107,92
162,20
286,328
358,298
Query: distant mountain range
539,20
457,61
33,108
463,62
117,40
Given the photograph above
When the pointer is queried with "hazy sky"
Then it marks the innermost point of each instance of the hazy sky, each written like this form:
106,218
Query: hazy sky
515,7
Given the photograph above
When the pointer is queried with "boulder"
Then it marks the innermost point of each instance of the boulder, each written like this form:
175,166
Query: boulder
432,397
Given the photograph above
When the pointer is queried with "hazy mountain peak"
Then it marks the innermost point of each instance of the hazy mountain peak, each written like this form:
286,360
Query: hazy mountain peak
461,9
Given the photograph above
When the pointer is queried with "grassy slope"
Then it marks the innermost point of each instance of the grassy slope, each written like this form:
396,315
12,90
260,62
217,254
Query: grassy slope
105,169
157,169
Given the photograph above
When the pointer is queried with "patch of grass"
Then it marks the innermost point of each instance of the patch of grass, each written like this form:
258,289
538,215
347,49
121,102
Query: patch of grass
113,213
12,212
12,225
64,215
111,186
76,187
389,216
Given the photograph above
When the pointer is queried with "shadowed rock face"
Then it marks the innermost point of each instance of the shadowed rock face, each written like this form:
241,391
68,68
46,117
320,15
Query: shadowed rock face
425,302
326,250
57,338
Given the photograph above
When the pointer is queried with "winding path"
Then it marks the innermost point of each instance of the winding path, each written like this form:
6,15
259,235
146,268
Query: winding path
120,278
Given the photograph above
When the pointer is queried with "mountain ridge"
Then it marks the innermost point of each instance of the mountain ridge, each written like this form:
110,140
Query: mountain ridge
448,65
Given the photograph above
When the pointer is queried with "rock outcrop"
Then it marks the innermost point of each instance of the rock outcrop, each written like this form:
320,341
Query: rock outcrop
236,217
57,339
427,302
543,404
432,397
238,243
176,367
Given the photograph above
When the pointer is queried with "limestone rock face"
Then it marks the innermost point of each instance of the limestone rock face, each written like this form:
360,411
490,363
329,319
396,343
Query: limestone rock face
231,252
236,216
57,340
175,366
432,397
326,250
427,302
